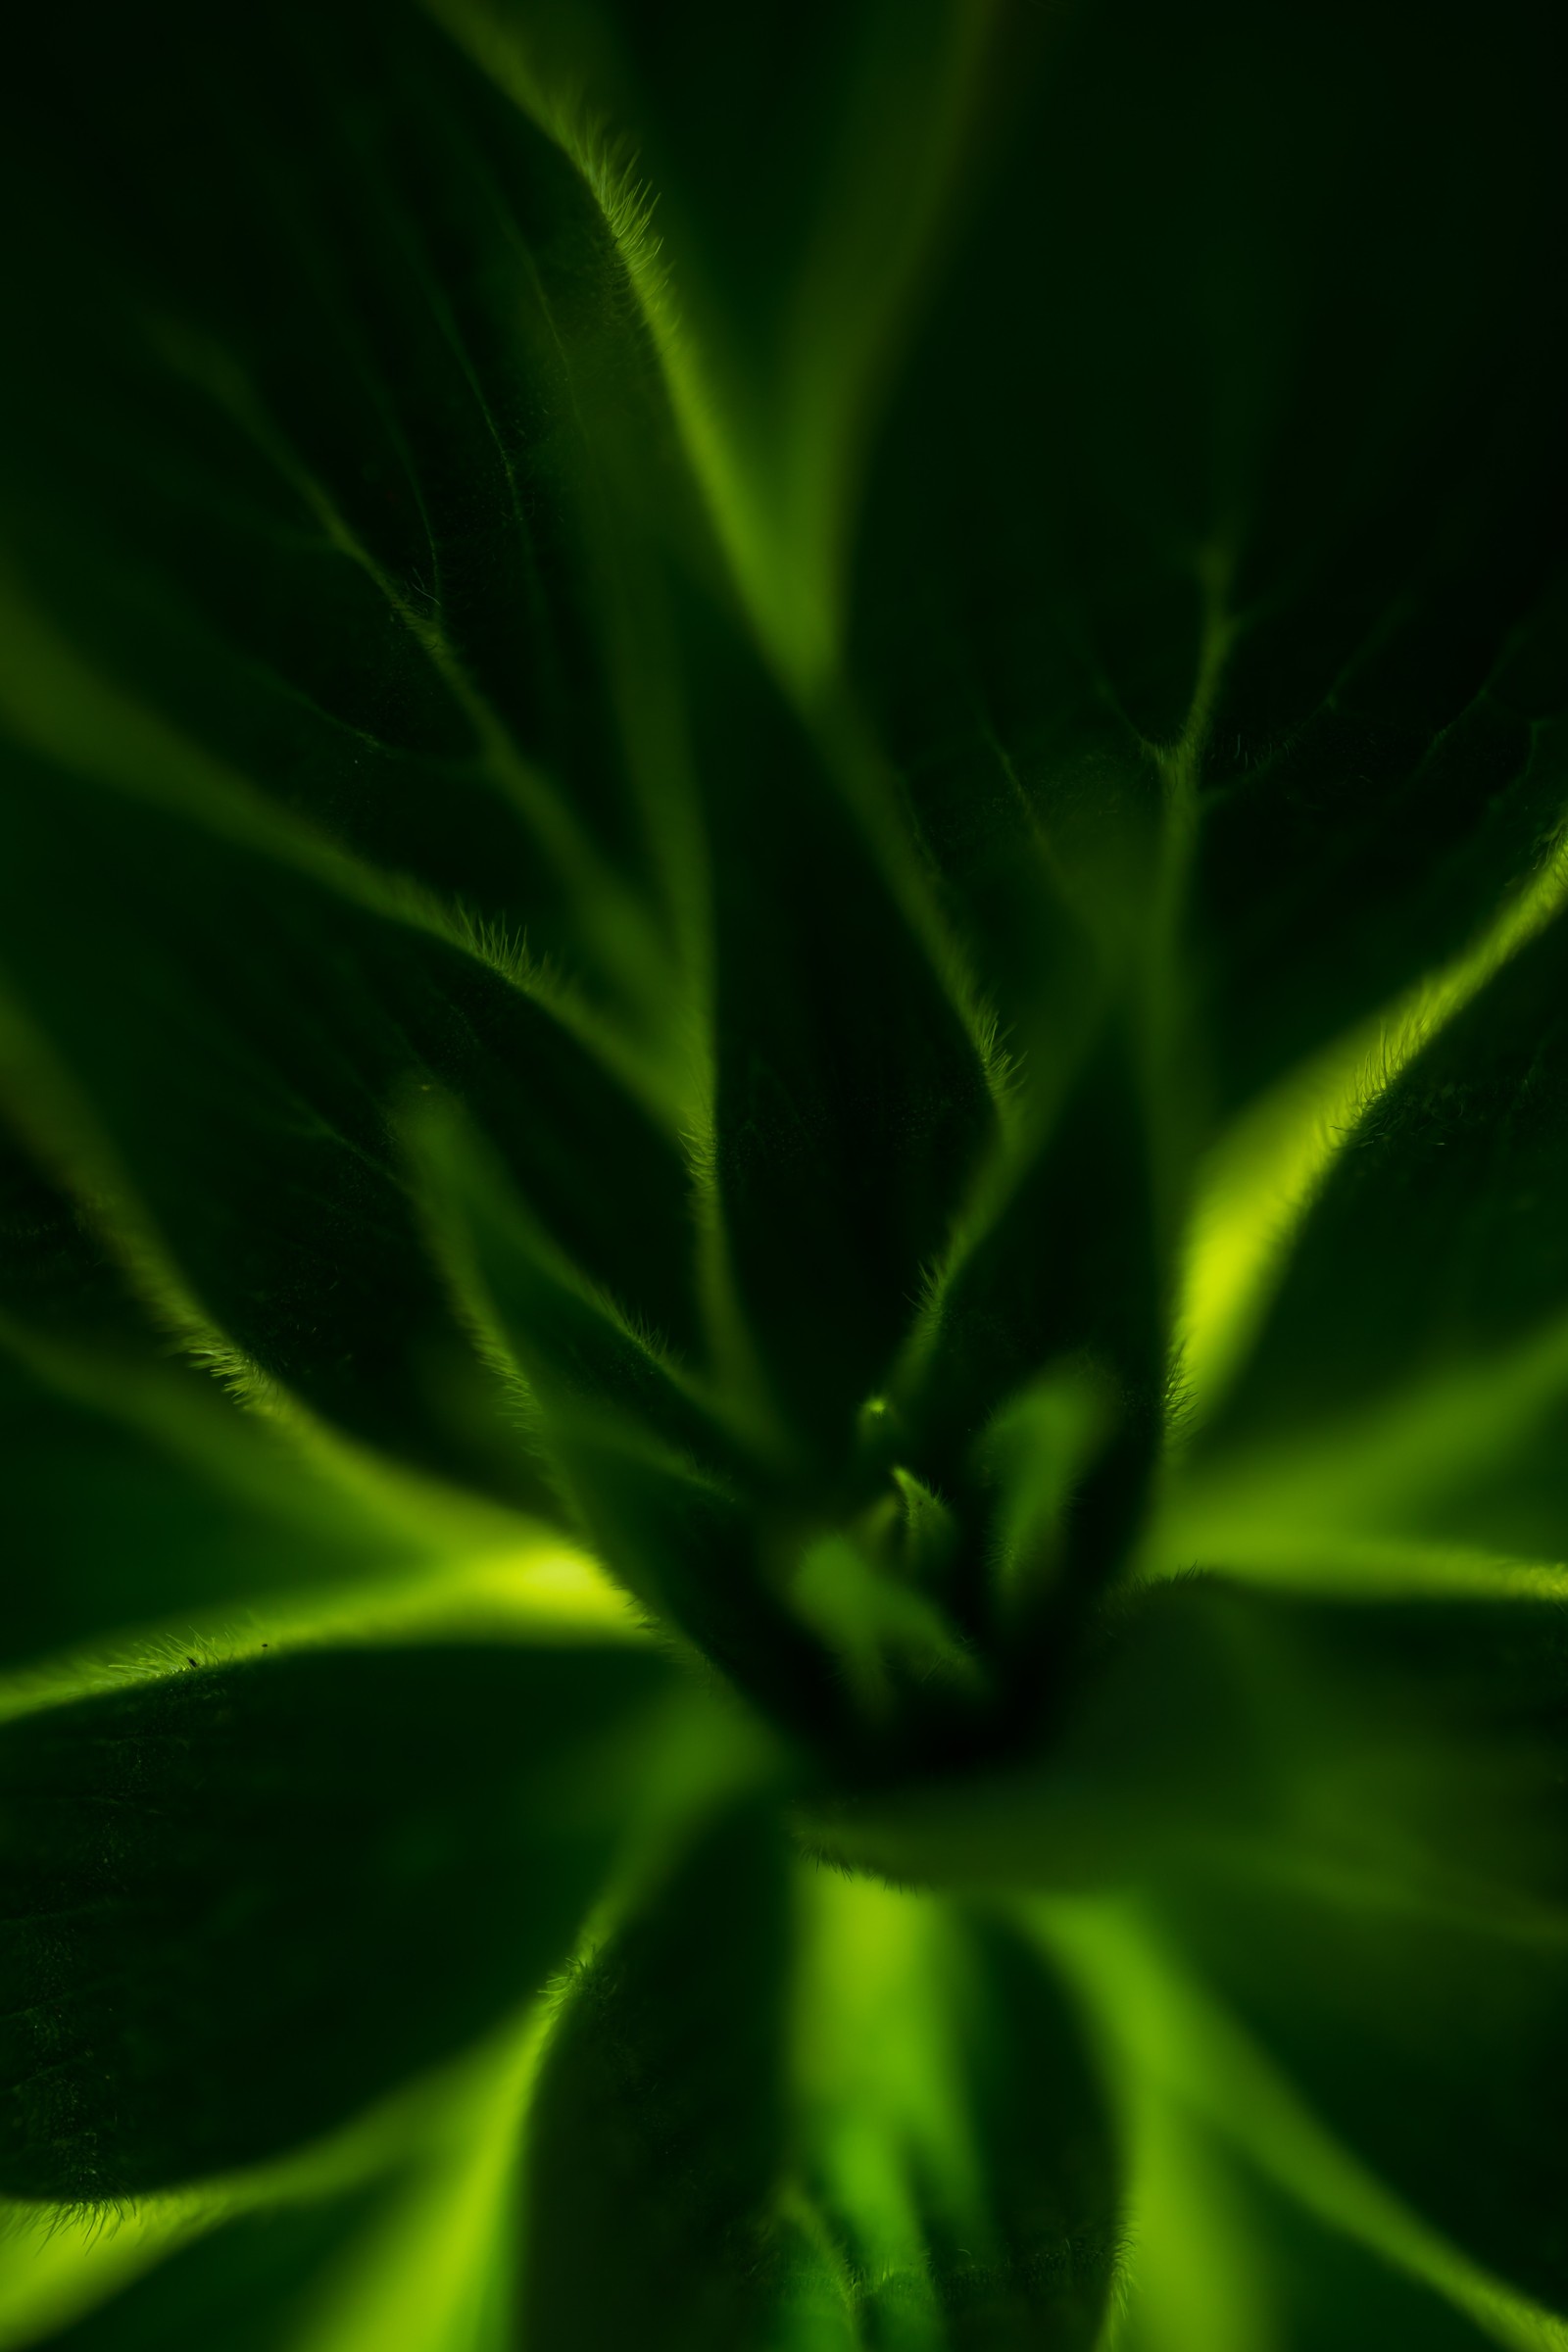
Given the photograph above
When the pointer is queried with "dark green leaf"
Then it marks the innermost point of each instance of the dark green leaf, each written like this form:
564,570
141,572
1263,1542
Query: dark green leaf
1155,1743
1426,1293
1395,1933
1427,2042
1229,468
1059,1277
138,1489
816,2115
1209,1725
59,1277
1330,2294
579,1351
846,708
240,1901
1225,2256
655,2131
251,2285
649,1467
314,471
134,1491
777,321
853,1108
245,1034
1353,1817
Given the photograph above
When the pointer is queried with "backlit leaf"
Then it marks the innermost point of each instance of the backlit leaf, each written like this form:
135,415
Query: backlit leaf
242,1900
787,2111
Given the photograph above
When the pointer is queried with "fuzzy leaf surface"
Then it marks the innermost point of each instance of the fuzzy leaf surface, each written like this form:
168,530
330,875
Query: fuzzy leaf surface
824,2117
252,2283
1413,1360
242,1900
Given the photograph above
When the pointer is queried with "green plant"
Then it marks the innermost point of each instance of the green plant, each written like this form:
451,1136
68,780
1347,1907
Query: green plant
783,1308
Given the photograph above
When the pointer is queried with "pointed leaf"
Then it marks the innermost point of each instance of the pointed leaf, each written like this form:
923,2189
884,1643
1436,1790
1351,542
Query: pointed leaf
136,1491
776,322
1425,2041
1058,1270
835,2119
1226,477
1414,1355
244,1035
655,2131
138,1488
658,1479
253,2284
312,474
1332,2295
243,1900
1352,1816
851,1104
1401,1950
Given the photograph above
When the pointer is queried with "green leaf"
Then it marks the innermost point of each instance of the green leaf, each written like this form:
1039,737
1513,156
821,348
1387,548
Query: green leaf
1390,1923
243,1900
852,1107
59,1276
314,474
1056,1275
788,2110
252,2284
1227,2260
135,1493
244,1035
1226,477
777,324
1413,1360
654,2132
1423,2040
650,1464
955,2140
1214,1728
687,701
1152,1745
1330,2294
573,1349
139,1489
1351,1817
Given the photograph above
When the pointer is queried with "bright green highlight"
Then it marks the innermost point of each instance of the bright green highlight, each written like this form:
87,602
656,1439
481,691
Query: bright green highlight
1169,2035
874,2072
1260,1178
1348,1504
